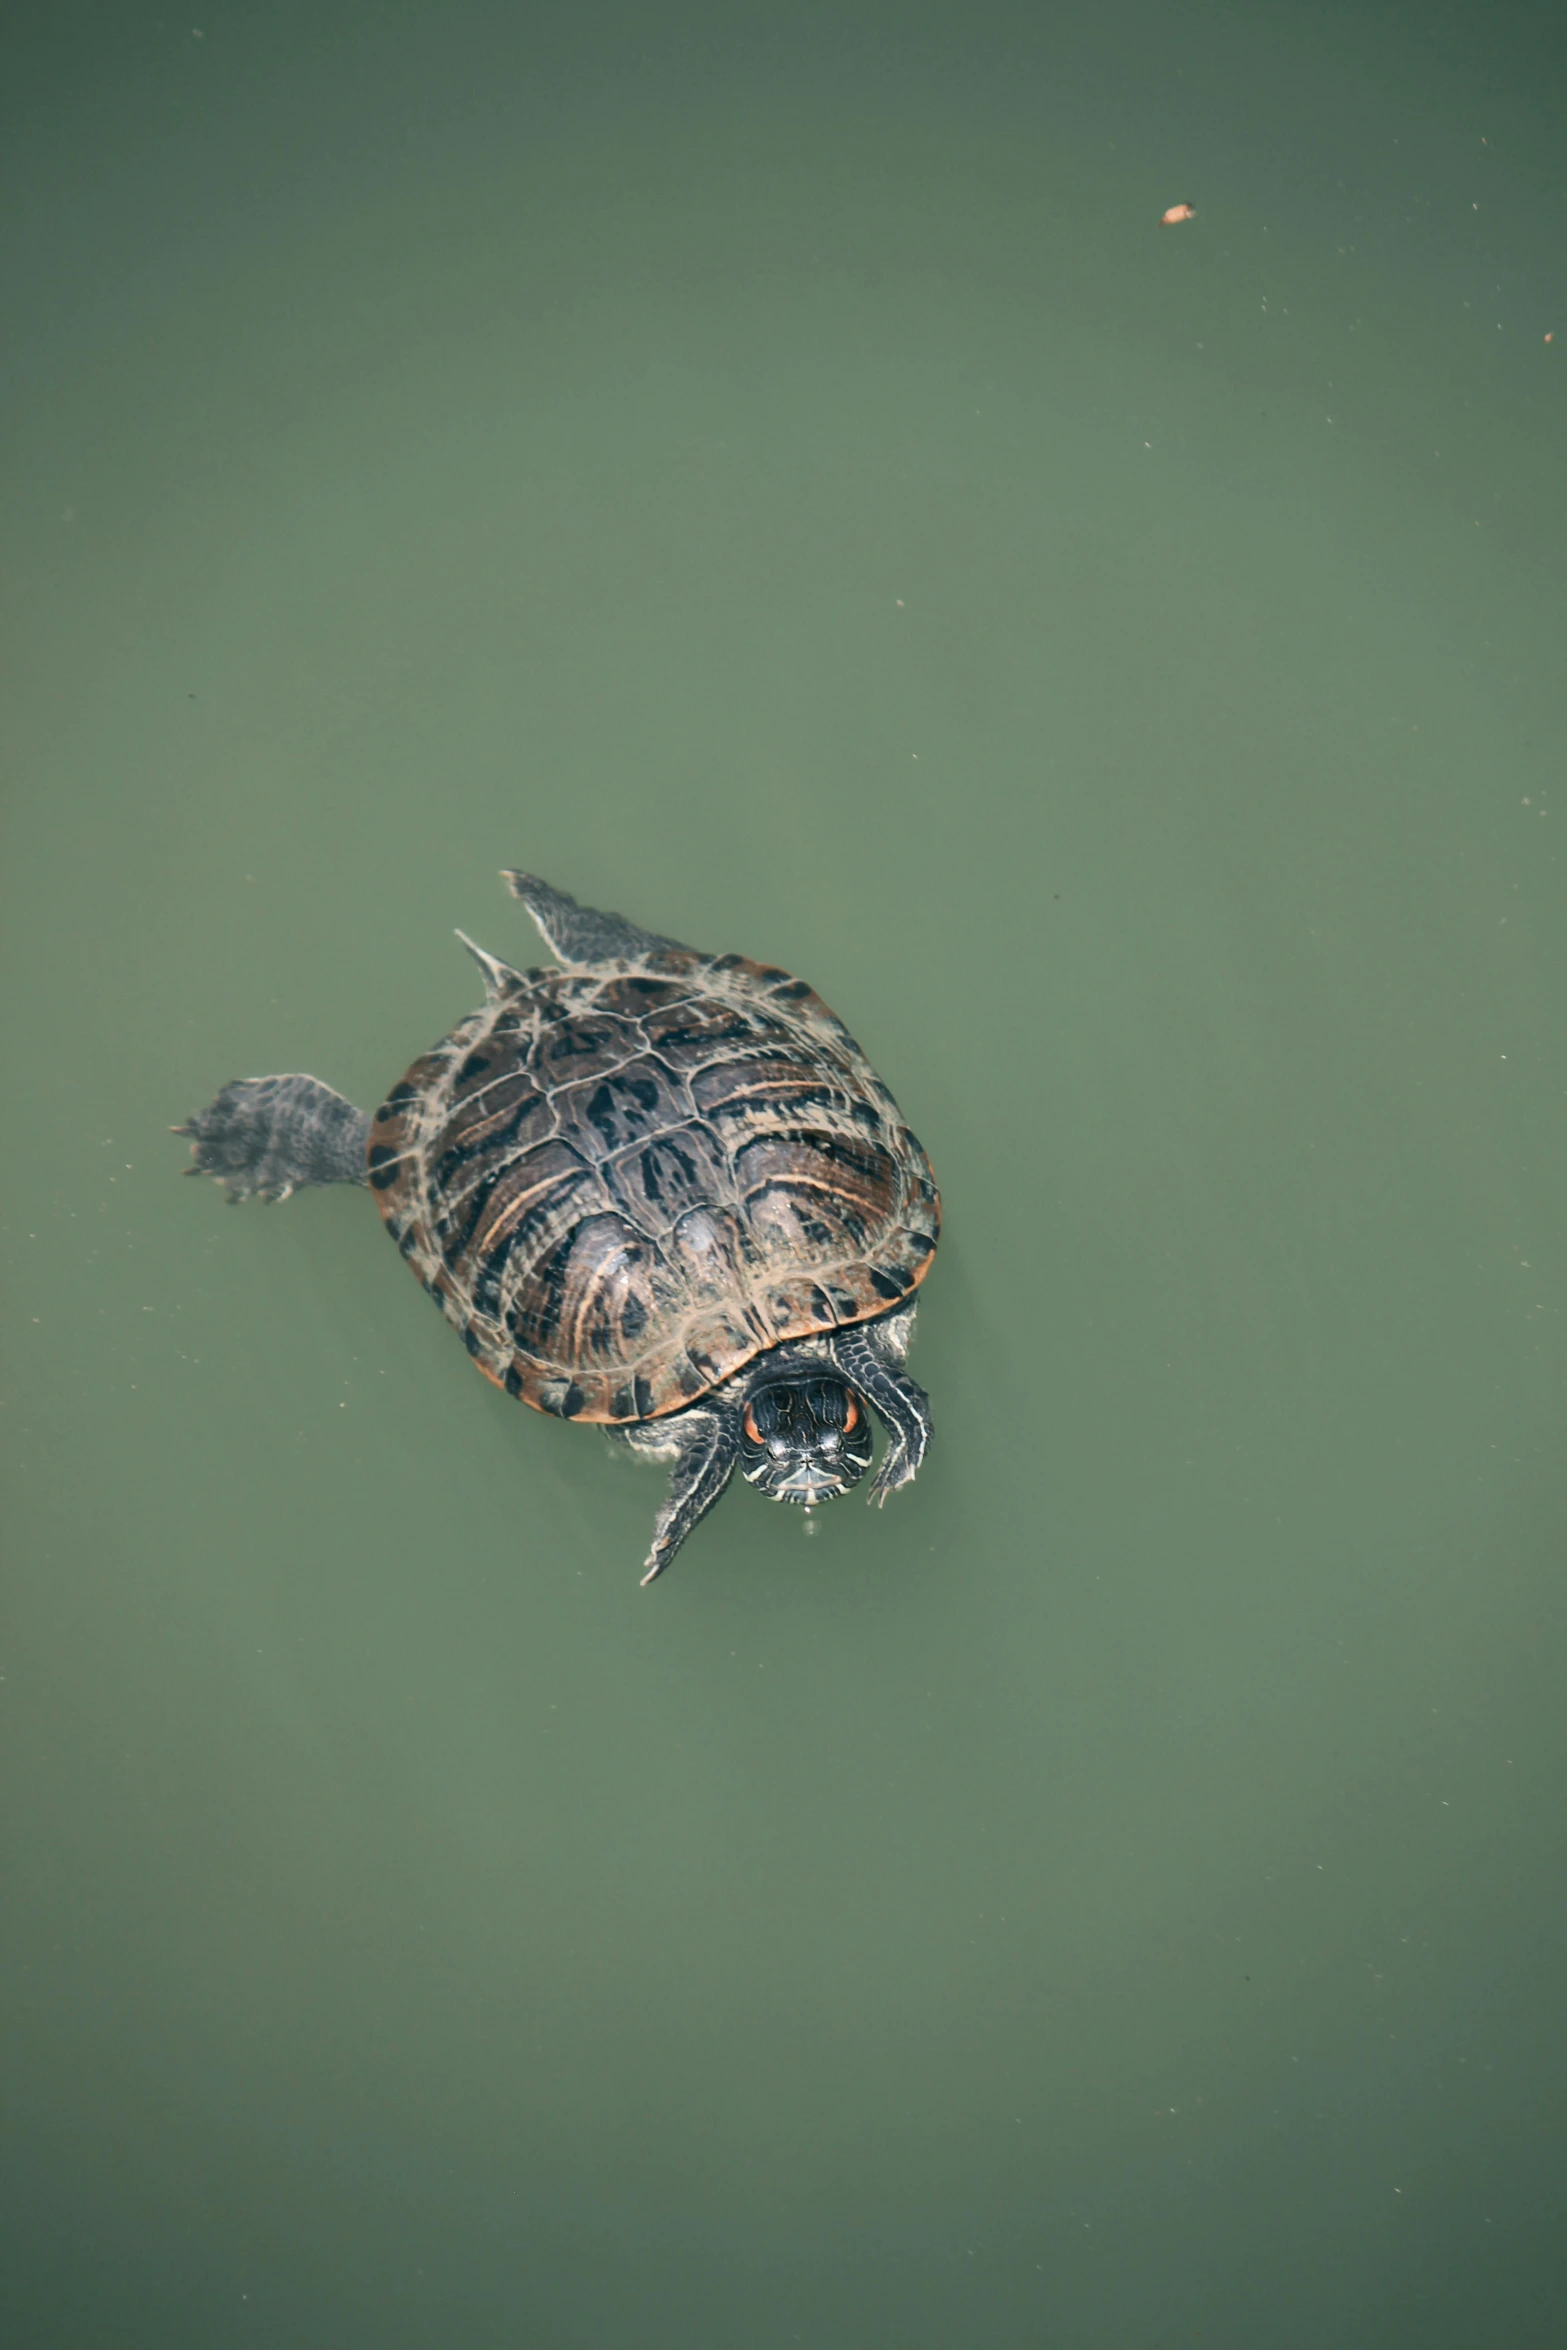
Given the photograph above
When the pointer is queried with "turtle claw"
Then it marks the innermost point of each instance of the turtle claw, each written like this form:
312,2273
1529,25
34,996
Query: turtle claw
895,1470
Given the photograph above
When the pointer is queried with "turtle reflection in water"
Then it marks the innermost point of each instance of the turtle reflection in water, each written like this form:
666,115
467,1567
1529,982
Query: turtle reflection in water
656,1189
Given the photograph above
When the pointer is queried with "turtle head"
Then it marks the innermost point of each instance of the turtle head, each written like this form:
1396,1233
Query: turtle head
804,1436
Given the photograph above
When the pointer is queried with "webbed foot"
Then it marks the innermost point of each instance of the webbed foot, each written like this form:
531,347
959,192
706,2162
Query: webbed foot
263,1137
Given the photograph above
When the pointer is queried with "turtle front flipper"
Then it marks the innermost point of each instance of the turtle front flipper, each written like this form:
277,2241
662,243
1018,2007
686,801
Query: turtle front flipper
263,1137
580,935
701,1445
870,1355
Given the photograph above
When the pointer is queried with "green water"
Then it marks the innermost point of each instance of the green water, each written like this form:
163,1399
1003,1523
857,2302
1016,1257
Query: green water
769,471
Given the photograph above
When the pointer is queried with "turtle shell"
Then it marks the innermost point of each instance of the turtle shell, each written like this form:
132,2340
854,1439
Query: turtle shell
623,1183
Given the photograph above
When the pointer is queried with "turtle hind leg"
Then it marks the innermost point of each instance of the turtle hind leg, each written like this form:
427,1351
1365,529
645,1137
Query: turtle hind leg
580,935
263,1137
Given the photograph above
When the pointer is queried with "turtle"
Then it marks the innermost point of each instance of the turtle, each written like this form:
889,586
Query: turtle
650,1188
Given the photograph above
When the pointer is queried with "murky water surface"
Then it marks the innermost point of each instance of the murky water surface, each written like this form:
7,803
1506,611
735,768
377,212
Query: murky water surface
774,474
